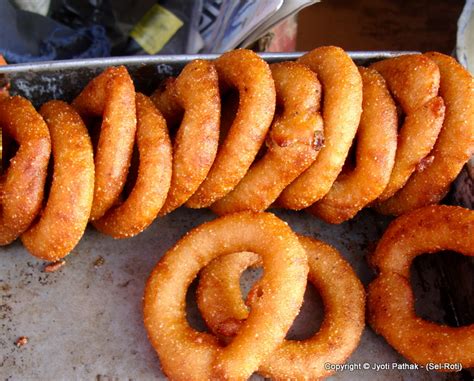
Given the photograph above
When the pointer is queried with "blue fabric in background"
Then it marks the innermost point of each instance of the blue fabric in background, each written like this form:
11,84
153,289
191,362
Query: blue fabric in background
29,37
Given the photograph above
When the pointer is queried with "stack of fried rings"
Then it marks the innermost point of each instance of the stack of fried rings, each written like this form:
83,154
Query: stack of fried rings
326,134
233,243
222,249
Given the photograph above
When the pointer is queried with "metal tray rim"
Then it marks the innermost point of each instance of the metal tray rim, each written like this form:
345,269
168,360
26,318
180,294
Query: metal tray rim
46,66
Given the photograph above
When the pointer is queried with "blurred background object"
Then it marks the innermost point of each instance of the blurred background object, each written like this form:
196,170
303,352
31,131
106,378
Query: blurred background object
27,36
61,29
36,6
57,29
380,25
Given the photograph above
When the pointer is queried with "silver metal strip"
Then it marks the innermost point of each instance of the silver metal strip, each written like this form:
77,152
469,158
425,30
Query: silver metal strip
169,60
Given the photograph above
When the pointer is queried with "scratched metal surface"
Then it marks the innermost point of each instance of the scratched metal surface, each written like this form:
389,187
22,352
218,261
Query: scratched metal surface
84,321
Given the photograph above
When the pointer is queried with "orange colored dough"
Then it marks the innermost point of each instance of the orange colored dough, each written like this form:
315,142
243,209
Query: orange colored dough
454,147
375,155
186,354
342,108
251,76
137,212
111,96
414,82
391,304
195,92
65,216
220,302
295,137
22,185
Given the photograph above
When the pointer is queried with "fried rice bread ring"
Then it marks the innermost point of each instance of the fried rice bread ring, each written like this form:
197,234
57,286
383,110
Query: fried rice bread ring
342,108
454,147
196,91
66,213
414,82
413,79
375,155
219,295
293,142
220,302
391,305
149,192
22,185
110,95
251,76
187,354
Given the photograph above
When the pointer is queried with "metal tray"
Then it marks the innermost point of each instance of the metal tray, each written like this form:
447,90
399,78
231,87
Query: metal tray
84,322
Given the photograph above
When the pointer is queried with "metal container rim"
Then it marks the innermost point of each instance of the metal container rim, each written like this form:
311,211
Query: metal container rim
48,66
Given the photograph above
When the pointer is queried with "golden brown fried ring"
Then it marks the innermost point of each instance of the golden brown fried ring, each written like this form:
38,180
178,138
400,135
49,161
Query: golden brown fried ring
342,107
415,141
22,184
375,156
148,195
413,79
186,354
246,71
220,302
414,82
293,142
111,95
196,91
65,216
455,144
219,296
391,305
166,100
